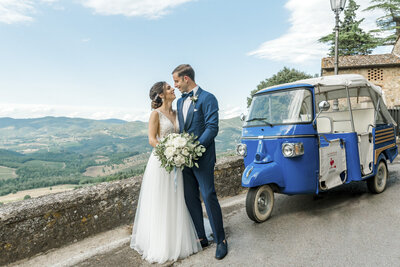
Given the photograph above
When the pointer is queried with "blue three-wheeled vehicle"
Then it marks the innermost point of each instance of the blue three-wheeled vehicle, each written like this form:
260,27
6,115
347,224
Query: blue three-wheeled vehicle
312,135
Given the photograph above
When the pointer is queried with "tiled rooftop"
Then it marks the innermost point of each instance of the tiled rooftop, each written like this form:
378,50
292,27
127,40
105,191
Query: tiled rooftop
361,61
365,60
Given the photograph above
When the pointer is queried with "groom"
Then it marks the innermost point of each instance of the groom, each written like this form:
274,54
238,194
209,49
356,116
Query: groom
198,114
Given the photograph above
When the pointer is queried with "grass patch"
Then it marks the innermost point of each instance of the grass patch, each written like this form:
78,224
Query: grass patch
20,195
44,164
7,173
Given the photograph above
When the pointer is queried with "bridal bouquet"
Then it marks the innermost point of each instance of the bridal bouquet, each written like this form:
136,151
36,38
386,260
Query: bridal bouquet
179,150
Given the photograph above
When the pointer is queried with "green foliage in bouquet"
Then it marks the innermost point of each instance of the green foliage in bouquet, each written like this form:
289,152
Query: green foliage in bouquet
179,151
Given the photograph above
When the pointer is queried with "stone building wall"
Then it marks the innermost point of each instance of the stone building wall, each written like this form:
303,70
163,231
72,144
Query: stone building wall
388,78
36,225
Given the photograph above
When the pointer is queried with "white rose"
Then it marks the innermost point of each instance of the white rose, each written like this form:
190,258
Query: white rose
174,143
169,152
168,142
179,160
179,142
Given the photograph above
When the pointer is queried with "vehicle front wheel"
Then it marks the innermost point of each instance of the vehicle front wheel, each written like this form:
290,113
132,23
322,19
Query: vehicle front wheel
377,184
259,203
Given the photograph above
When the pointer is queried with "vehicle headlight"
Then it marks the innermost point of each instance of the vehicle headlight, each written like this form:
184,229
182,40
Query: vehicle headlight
241,150
291,150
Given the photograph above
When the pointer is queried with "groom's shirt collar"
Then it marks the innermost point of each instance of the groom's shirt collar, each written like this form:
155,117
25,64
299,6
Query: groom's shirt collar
186,103
195,90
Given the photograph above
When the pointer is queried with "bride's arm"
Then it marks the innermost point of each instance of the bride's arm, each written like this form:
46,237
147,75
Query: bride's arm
153,128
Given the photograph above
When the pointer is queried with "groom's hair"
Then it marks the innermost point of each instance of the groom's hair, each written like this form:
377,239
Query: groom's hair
184,70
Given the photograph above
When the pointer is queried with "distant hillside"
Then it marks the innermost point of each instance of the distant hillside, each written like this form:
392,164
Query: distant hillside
50,151
87,136
229,134
54,121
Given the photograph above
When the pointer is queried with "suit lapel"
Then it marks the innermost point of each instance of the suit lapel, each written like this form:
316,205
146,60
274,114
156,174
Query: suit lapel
190,114
180,115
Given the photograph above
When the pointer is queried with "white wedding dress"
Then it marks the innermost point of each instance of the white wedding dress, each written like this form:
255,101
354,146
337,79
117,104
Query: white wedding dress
163,229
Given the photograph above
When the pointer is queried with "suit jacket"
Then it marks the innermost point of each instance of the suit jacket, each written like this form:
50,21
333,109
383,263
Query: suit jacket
202,121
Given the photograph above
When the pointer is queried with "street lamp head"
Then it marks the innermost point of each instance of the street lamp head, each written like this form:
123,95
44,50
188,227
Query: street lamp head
338,5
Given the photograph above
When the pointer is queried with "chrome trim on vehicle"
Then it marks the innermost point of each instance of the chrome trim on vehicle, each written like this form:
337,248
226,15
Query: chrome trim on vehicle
277,136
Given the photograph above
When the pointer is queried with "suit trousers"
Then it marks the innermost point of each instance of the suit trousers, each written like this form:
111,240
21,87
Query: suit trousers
203,179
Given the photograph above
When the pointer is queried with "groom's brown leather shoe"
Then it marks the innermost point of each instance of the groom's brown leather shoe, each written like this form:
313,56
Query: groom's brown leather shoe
222,250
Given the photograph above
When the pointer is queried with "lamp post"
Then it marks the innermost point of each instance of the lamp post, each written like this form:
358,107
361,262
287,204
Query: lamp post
337,6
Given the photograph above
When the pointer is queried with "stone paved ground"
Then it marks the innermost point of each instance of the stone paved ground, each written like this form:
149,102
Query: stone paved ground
346,226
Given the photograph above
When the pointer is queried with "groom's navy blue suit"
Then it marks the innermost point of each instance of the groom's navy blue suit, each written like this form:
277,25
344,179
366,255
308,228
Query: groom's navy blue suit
202,121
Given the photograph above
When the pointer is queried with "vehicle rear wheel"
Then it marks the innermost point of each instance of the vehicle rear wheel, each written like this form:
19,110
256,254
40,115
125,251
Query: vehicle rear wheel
377,184
259,203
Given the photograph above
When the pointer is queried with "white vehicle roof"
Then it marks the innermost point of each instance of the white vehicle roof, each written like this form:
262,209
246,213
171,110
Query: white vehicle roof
333,82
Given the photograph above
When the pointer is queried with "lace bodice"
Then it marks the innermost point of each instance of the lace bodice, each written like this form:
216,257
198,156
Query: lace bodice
166,125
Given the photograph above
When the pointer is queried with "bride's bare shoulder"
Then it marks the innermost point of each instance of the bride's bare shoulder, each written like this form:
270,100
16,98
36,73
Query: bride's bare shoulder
154,115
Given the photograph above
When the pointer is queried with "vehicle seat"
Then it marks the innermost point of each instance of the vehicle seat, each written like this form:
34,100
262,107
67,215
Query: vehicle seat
342,123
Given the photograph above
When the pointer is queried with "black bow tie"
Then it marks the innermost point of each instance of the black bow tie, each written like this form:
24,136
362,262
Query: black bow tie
184,96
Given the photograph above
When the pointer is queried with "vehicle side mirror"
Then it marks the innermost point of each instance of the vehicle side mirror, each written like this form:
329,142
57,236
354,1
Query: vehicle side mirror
323,106
242,117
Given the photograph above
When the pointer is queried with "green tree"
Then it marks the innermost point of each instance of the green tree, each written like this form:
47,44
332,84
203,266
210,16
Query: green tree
352,39
285,75
27,197
390,22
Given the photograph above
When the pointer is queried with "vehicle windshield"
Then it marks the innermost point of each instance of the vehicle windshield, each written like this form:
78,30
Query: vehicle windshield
280,107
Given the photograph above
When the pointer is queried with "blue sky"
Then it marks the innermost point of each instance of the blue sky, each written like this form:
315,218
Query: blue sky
98,59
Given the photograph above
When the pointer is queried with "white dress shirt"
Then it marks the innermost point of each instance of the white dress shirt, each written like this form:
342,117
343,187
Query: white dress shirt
186,104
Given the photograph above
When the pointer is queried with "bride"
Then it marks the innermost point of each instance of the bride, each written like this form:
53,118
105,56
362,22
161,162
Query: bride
163,229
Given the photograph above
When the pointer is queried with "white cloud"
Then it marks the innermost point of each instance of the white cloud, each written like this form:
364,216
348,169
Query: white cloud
20,111
96,113
14,11
229,112
310,20
85,40
17,11
20,11
145,8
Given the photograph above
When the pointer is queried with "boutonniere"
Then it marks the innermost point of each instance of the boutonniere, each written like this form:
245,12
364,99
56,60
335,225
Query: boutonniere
194,99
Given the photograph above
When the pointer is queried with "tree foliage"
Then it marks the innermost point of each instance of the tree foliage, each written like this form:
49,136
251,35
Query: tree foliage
43,169
390,22
352,39
285,75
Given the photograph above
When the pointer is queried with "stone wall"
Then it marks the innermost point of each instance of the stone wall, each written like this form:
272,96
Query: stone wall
37,225
390,82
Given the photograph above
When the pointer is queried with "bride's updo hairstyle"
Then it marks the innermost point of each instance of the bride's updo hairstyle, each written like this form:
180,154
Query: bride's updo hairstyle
156,90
